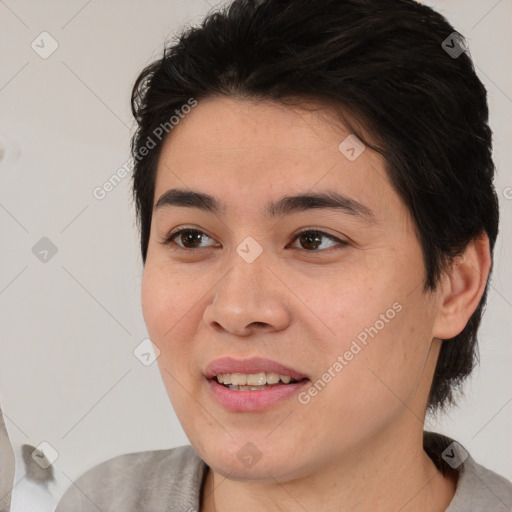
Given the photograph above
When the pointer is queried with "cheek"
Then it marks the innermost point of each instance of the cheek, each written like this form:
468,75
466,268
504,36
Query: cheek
349,308
162,308
171,308
154,299
388,366
166,299
383,337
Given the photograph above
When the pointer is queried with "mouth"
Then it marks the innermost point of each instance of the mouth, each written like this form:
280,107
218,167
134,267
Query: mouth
252,385
254,381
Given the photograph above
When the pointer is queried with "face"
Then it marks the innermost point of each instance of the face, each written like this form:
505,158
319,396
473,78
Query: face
326,292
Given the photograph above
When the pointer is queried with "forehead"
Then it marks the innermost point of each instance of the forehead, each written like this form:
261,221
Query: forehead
229,130
243,151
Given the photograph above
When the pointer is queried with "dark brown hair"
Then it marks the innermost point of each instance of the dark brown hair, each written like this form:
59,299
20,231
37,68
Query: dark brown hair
398,66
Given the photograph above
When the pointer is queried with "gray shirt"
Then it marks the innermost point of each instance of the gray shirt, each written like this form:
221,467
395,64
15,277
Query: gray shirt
171,480
6,467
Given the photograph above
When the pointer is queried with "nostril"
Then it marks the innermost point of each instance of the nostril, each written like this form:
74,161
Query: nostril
259,324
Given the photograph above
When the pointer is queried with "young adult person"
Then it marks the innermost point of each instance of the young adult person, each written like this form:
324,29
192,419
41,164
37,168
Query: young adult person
314,185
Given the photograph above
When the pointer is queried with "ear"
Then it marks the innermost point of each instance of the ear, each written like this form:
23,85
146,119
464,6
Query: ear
462,287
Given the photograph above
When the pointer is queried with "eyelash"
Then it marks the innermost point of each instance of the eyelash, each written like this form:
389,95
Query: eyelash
170,239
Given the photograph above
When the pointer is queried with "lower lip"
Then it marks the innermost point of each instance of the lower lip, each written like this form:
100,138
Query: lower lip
253,401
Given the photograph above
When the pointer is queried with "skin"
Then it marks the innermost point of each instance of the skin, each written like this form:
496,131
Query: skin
357,445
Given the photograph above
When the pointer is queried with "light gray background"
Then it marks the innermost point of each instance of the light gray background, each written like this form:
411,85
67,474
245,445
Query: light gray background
67,372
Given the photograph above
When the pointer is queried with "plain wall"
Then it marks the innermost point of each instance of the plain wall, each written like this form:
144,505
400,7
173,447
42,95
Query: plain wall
68,375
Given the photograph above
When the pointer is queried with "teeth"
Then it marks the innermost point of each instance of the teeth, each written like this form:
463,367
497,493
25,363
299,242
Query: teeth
239,379
252,379
247,388
256,379
272,378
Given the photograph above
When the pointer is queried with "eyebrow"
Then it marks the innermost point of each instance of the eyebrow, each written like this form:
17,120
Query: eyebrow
327,200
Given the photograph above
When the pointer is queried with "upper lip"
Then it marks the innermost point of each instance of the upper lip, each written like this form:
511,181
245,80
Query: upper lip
252,365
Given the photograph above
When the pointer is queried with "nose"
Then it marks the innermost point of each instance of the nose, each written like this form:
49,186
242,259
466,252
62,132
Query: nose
248,299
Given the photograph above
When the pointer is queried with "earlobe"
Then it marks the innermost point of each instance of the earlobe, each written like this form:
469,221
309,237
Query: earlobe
462,288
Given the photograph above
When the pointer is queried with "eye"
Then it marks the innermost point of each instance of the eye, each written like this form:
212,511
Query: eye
312,240
190,239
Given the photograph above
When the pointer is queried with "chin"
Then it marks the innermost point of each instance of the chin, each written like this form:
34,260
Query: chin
248,466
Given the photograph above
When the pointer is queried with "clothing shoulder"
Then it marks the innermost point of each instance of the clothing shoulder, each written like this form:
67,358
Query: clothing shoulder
478,489
481,489
147,481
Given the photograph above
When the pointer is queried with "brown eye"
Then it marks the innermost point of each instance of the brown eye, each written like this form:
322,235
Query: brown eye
312,240
189,238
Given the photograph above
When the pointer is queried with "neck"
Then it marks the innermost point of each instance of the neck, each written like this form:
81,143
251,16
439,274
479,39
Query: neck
376,475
